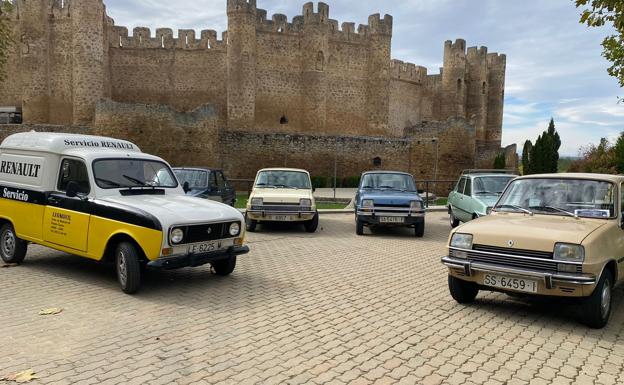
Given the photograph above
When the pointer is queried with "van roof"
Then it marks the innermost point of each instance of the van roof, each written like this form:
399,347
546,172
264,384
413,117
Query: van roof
61,143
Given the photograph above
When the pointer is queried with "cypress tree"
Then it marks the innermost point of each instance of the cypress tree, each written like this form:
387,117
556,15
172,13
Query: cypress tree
526,158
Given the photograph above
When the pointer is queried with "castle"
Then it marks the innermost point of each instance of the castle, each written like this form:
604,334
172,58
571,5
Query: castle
269,92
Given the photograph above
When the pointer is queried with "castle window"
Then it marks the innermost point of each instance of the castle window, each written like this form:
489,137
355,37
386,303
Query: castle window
484,88
320,61
459,84
162,41
186,41
120,43
209,45
377,162
283,120
280,30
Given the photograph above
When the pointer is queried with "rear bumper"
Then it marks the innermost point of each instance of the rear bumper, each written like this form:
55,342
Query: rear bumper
374,219
549,283
269,215
194,260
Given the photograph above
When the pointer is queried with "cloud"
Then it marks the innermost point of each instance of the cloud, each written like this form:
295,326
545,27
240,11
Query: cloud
554,64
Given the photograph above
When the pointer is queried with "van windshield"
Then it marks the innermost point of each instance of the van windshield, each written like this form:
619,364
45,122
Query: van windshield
128,173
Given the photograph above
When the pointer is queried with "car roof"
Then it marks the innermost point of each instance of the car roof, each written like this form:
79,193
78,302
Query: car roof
386,172
574,175
284,169
62,143
197,168
491,175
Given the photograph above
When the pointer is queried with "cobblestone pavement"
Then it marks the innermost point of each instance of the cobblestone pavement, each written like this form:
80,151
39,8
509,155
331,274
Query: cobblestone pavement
325,308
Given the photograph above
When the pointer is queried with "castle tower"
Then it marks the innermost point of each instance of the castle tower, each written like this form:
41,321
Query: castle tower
496,97
315,49
454,80
88,62
34,36
477,91
241,64
378,87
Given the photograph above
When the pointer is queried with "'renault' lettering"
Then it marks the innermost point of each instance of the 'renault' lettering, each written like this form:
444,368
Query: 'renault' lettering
18,168
101,143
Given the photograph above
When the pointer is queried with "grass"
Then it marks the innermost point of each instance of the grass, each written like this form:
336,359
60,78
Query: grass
241,203
440,202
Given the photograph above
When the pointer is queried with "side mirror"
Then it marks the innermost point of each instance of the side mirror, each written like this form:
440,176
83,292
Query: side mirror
313,189
186,187
72,189
420,191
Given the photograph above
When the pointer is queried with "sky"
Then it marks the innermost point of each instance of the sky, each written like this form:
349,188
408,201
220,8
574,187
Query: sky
554,64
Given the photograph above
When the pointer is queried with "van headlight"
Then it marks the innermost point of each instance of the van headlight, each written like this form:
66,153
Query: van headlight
234,229
569,252
461,241
177,235
368,203
416,205
305,202
257,202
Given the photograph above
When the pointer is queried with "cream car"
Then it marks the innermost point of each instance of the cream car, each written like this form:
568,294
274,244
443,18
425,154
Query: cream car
282,195
559,235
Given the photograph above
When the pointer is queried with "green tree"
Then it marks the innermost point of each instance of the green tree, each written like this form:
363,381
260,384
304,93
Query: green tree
596,158
544,155
618,154
526,158
499,162
6,38
597,13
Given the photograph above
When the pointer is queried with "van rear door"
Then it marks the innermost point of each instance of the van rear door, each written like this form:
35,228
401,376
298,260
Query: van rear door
66,219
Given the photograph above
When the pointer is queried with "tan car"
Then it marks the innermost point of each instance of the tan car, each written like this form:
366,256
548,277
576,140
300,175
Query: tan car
282,195
557,235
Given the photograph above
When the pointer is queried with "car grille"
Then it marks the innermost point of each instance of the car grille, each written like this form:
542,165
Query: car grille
505,258
281,208
206,232
510,251
378,205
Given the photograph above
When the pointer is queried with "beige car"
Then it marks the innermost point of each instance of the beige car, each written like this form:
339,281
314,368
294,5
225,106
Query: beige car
282,195
557,235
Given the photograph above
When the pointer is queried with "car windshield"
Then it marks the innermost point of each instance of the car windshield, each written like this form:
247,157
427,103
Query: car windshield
197,179
283,179
402,182
568,197
485,185
125,173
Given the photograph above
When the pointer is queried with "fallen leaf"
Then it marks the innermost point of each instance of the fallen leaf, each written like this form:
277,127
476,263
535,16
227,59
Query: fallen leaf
21,377
50,311
7,265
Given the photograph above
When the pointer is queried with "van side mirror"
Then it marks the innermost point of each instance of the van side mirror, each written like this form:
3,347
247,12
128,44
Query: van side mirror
186,187
72,189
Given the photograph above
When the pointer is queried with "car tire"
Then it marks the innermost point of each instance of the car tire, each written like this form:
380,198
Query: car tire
128,267
453,221
250,224
12,249
597,307
359,227
224,267
419,229
462,291
312,225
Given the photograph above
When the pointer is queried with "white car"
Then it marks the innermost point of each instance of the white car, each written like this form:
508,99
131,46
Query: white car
104,199
282,195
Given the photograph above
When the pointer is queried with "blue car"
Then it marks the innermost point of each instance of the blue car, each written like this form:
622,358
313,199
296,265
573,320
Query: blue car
389,198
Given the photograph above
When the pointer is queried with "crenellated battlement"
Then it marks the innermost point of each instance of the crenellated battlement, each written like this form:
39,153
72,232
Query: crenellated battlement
61,9
379,26
142,38
477,53
400,70
496,60
455,48
321,16
241,6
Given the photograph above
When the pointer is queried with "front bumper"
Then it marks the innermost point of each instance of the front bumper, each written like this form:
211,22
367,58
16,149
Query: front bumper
373,218
194,260
549,283
270,215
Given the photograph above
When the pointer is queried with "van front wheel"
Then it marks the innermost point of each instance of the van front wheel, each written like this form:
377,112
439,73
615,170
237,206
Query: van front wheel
12,249
128,267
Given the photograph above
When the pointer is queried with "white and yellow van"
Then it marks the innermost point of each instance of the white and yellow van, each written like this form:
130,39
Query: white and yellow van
104,199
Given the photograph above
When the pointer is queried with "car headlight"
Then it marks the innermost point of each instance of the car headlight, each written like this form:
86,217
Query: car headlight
569,252
177,235
416,205
305,202
234,229
461,241
256,201
368,203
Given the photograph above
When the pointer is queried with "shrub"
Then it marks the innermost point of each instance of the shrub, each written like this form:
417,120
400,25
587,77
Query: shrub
351,181
320,181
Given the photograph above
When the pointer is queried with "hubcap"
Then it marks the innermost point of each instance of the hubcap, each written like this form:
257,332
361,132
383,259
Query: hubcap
121,268
605,298
8,243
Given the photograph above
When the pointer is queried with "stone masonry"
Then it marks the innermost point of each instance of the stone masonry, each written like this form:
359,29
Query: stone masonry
289,82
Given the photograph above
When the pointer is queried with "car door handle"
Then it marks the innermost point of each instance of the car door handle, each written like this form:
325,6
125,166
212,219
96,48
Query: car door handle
54,200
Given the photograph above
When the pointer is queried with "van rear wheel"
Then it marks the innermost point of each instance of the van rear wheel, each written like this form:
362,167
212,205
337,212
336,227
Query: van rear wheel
12,249
128,267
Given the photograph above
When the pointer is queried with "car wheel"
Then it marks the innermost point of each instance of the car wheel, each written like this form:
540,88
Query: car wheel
453,221
359,227
250,224
225,266
597,307
12,249
419,229
462,291
128,267
312,225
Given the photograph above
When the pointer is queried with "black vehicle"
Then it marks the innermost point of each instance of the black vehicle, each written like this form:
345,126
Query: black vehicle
207,183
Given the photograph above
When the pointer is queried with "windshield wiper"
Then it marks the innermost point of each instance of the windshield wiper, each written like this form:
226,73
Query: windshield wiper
135,180
553,208
518,208
387,187
110,182
485,192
